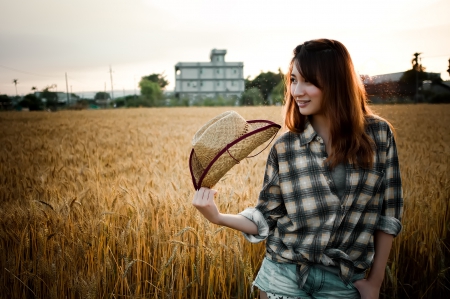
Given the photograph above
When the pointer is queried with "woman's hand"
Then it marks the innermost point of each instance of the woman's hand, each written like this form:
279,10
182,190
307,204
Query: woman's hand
367,289
204,202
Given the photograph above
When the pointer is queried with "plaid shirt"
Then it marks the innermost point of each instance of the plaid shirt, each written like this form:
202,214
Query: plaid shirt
303,219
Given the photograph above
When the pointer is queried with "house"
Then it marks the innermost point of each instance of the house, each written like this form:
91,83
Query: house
212,79
61,97
437,87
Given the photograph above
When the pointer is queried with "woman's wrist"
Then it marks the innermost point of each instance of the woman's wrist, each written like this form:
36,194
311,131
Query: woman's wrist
219,220
375,281
383,244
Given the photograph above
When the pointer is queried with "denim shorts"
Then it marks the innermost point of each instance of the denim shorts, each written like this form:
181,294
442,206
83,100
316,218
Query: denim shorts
279,279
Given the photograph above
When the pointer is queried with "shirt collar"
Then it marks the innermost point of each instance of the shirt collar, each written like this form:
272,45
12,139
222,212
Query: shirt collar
308,134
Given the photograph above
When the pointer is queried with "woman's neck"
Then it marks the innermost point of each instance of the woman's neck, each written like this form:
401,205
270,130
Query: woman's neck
322,127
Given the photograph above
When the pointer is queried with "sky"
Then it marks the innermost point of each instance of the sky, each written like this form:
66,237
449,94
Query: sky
43,40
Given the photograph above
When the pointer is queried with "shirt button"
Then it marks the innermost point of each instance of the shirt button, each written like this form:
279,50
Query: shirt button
319,139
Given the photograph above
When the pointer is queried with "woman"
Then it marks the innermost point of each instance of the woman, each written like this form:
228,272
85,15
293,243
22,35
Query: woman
331,202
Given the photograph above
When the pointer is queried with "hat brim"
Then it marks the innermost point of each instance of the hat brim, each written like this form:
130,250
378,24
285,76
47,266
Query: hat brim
231,154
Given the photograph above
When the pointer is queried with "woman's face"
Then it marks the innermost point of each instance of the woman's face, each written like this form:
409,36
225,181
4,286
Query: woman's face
307,96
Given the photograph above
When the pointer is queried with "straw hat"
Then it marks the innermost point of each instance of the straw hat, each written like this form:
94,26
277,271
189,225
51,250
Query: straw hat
222,143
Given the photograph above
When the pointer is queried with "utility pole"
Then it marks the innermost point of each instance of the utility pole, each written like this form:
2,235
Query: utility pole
112,87
67,91
134,80
416,68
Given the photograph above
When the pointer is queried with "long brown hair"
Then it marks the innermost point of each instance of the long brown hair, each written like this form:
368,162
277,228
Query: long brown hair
328,65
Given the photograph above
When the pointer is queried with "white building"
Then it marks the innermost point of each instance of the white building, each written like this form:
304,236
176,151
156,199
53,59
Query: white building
209,79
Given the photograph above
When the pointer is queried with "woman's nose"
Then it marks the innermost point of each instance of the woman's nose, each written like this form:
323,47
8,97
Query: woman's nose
298,90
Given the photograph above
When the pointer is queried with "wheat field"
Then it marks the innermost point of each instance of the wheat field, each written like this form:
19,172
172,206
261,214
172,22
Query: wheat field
97,204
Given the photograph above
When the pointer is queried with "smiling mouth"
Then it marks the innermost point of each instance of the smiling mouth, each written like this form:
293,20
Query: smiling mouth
303,102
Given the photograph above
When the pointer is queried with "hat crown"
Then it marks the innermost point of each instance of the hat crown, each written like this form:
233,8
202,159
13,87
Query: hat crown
224,141
217,134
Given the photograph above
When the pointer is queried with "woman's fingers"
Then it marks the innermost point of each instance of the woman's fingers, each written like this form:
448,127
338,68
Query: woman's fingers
204,203
203,196
211,193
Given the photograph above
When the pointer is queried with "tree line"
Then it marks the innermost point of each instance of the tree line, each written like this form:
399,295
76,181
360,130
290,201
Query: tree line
267,88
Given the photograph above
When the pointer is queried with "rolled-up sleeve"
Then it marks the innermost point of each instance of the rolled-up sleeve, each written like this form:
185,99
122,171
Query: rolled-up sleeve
392,209
270,204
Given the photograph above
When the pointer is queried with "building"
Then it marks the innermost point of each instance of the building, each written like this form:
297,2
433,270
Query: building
393,77
61,98
212,79
403,87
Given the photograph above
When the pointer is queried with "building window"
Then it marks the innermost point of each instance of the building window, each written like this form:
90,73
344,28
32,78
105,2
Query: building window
232,83
218,83
201,71
201,83
218,71
194,84
189,84
235,71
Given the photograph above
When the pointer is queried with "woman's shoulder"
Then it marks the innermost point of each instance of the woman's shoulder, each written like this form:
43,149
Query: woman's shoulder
286,137
379,128
377,122
284,140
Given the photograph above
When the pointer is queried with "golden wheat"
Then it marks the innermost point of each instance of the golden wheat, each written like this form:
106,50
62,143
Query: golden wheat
97,204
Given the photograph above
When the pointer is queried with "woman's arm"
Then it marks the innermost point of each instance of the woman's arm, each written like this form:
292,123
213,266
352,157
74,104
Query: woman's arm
389,224
204,202
370,288
383,244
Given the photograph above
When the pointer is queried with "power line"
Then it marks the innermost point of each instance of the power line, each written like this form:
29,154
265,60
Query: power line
71,78
433,56
25,72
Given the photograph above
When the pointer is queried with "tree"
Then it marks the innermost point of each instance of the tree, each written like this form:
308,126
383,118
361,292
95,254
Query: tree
265,82
251,97
160,79
415,63
277,94
50,97
151,92
31,102
5,102
15,81
122,101
101,95
448,70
